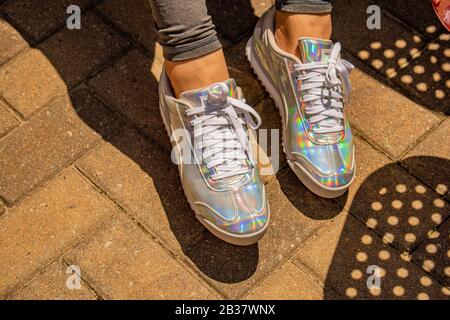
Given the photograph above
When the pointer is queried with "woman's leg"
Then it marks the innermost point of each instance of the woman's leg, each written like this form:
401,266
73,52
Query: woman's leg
193,55
301,18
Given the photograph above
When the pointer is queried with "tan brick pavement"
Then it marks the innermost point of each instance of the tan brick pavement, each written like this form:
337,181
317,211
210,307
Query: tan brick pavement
86,178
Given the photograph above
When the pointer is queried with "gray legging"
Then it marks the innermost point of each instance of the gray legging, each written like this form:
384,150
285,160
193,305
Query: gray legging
186,30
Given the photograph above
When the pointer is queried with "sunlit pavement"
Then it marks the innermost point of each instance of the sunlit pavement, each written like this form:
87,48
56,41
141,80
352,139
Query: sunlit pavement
91,206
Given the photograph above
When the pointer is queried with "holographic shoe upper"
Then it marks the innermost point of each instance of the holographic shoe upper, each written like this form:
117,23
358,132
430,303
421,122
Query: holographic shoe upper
211,130
311,93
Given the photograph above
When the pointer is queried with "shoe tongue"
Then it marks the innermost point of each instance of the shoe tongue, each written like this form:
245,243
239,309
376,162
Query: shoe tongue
314,50
194,97
216,93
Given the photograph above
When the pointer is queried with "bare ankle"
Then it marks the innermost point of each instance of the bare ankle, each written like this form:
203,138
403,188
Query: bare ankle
289,27
196,73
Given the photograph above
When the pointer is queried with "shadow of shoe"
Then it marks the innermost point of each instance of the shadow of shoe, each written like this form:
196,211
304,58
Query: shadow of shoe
305,201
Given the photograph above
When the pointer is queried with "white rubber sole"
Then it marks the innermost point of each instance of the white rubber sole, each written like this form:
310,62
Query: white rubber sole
239,240
303,175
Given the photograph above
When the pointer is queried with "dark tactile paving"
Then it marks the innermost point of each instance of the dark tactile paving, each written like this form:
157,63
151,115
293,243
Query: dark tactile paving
434,254
426,77
398,207
134,18
234,19
420,15
131,88
38,19
383,50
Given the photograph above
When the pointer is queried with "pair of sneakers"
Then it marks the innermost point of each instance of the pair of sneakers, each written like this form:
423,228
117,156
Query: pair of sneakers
213,130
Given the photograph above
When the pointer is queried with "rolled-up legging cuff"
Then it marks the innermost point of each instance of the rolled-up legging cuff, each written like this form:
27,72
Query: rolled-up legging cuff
305,7
192,50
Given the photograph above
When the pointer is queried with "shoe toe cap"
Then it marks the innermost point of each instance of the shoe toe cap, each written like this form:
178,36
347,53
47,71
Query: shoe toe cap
330,169
238,212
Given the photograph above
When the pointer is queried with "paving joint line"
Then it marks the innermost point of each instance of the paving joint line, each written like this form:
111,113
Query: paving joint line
127,35
422,138
312,275
397,250
399,20
288,258
148,231
59,27
11,110
69,248
390,83
148,137
53,100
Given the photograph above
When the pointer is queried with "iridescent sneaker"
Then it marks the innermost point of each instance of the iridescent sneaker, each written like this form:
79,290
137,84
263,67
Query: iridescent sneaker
212,132
310,93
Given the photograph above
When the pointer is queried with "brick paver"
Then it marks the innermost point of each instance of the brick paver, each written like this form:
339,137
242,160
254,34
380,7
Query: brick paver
289,227
158,203
368,160
422,18
290,282
383,50
132,18
7,120
39,19
78,54
30,82
426,76
121,86
86,178
398,207
123,262
47,224
429,160
395,122
11,41
433,254
29,156
51,285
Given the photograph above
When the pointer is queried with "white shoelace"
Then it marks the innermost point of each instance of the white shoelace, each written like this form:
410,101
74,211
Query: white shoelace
219,135
321,85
